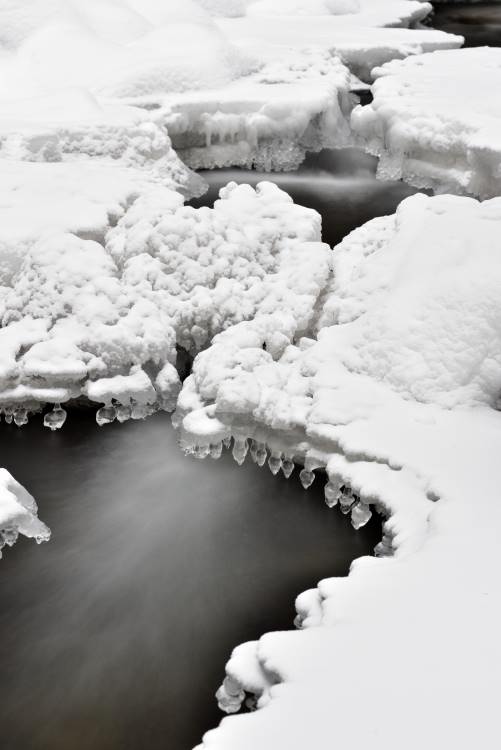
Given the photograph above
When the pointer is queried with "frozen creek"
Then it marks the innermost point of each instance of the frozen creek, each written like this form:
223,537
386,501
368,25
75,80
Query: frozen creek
130,618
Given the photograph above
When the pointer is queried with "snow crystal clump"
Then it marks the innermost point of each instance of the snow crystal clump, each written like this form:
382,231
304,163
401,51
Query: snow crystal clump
18,513
102,321
420,128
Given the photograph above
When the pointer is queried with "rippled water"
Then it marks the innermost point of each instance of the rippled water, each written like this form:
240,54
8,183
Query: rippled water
114,635
479,23
341,185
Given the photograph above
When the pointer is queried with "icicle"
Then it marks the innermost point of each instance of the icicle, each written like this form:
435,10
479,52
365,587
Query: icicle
385,547
8,537
253,450
298,622
140,411
287,466
361,514
124,412
307,478
346,500
106,415
332,493
240,448
227,442
261,454
230,696
275,462
216,450
21,417
55,419
201,451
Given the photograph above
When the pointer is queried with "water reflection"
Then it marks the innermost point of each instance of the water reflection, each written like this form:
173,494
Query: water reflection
341,185
114,635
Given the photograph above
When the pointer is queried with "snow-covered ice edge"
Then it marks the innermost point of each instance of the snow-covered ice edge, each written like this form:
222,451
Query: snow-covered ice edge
18,513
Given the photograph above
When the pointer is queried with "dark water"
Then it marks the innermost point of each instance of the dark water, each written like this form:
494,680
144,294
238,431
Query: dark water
479,23
341,185
114,635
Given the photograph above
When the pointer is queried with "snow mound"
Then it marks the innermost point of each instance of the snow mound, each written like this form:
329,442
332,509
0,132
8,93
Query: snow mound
117,47
18,513
392,399
420,128
81,318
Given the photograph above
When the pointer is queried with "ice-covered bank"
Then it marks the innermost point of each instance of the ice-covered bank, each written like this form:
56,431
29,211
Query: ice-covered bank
422,131
395,397
18,513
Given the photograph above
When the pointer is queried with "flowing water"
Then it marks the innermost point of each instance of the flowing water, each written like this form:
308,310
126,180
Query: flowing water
114,635
479,23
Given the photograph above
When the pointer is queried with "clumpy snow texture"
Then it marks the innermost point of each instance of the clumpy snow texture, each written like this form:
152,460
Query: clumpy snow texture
393,395
18,513
434,121
81,318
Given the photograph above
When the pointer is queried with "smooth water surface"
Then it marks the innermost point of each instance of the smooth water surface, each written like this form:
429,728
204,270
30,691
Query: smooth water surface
340,184
479,23
114,635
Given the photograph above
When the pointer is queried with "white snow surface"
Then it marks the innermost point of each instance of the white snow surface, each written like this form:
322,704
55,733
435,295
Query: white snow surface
422,131
394,398
18,513
76,312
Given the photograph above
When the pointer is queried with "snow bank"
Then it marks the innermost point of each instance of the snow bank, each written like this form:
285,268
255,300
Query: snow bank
102,320
420,128
376,34
18,513
393,400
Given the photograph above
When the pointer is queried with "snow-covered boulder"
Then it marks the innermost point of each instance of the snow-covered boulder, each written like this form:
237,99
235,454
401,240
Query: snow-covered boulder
422,131
82,318
18,513
393,397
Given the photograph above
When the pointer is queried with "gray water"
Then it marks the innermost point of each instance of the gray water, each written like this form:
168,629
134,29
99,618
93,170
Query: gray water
114,635
479,23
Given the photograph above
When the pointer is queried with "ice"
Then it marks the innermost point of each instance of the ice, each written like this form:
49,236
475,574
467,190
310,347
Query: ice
422,131
18,513
396,397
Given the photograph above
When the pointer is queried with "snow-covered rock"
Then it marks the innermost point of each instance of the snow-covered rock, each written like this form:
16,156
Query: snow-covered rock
18,513
422,131
393,397
81,318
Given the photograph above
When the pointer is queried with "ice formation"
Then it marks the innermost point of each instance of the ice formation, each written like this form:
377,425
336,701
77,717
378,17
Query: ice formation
422,131
393,396
18,513
102,321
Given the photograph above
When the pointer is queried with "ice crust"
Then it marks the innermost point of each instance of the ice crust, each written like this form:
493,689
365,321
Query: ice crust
393,398
422,131
18,514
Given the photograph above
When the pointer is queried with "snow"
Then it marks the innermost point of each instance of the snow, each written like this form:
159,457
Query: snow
18,513
420,128
393,398
81,318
